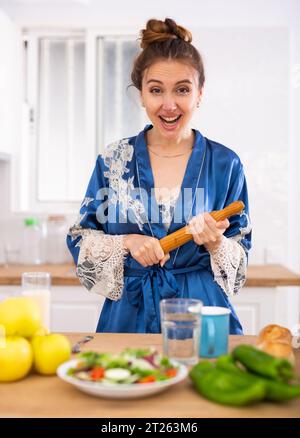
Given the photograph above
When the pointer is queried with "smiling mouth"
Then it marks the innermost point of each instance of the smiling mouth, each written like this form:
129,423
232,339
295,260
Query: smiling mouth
170,120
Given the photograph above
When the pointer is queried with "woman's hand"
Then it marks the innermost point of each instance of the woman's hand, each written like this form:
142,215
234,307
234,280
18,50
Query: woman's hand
206,231
145,250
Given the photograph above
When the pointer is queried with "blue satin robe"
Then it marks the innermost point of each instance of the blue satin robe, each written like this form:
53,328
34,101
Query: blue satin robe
211,166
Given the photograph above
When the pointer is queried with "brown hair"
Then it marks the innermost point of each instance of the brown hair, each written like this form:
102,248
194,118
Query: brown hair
165,40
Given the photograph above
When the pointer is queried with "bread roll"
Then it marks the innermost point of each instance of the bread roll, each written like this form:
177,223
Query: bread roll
277,341
275,333
278,349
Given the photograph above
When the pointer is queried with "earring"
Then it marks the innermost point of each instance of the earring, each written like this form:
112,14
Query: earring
198,104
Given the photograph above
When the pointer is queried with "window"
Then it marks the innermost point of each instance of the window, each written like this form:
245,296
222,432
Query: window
77,101
61,118
119,110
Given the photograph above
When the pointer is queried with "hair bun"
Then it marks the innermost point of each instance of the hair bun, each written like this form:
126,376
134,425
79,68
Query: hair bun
158,31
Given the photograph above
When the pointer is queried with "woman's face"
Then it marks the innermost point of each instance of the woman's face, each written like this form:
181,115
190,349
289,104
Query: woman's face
170,93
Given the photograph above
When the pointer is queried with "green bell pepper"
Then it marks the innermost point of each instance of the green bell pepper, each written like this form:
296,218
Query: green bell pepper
225,387
227,363
275,391
245,376
280,391
263,364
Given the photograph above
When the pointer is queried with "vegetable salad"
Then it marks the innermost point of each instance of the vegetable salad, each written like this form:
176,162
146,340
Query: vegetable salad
131,366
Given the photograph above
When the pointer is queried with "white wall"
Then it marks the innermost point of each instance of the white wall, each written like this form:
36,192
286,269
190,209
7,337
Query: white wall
4,187
246,107
10,84
80,13
10,115
252,93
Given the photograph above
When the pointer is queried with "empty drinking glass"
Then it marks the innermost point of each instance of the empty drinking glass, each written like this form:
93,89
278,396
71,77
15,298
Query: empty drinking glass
12,253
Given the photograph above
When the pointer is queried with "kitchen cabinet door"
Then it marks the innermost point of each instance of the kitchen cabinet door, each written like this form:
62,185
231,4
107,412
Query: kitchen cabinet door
74,309
257,307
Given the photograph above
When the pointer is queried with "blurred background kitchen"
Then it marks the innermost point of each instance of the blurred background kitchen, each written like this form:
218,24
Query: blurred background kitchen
64,70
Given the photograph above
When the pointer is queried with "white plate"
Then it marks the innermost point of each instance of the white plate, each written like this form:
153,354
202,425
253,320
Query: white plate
119,391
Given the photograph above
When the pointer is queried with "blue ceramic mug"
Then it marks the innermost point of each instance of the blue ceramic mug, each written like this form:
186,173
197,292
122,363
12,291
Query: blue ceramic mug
214,331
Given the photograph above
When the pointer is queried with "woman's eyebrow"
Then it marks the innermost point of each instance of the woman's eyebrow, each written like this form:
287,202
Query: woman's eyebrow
183,81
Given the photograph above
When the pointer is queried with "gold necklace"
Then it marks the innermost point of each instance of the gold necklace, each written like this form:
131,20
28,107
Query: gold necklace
169,156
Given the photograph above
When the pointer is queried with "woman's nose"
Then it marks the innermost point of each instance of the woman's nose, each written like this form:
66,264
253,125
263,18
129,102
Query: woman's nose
169,104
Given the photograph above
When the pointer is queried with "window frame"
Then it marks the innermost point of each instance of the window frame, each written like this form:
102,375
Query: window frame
26,188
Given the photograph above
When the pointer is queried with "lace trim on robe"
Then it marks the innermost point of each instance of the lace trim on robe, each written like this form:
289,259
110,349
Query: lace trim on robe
166,202
116,156
100,266
229,265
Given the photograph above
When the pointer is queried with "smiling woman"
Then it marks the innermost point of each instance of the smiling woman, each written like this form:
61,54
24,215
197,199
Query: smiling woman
169,103
170,76
151,184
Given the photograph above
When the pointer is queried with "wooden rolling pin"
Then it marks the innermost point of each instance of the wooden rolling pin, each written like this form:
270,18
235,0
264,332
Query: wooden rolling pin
180,237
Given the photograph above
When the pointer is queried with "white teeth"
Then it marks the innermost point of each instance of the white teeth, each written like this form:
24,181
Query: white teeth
170,119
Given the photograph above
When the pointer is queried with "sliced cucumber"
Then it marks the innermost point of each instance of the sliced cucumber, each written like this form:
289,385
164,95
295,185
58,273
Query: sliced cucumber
117,374
142,364
82,375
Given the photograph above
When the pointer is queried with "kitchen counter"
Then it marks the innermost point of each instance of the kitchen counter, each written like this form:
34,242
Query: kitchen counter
64,275
40,396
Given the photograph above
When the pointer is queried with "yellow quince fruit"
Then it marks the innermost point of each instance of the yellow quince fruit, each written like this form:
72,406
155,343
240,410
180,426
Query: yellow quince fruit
49,352
20,316
15,358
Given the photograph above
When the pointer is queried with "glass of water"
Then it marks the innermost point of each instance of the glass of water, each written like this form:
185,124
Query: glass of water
180,324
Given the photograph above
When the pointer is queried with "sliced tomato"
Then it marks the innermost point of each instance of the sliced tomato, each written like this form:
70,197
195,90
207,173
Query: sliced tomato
97,373
147,379
171,372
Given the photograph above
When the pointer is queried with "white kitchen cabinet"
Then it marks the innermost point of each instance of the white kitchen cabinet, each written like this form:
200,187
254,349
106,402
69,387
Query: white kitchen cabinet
74,309
258,306
10,85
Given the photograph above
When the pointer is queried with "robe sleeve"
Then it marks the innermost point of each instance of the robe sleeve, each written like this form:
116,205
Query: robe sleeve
229,265
229,262
99,256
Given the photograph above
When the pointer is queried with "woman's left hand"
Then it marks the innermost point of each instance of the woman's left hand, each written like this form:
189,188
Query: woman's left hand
206,231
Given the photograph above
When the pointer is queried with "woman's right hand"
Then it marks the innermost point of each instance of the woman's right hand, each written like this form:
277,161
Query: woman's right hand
145,250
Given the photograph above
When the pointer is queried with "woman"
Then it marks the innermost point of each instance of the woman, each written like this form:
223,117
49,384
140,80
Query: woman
147,186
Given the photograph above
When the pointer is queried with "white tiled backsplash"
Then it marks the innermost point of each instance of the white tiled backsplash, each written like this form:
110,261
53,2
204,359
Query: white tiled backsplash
12,224
12,231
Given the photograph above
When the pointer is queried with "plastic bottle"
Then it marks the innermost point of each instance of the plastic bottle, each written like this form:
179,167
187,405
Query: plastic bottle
31,247
56,247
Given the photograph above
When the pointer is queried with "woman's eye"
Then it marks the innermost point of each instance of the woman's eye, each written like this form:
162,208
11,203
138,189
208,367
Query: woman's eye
183,90
155,90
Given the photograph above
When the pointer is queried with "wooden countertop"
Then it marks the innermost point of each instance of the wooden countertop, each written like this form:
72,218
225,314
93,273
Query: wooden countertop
61,275
64,275
40,396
